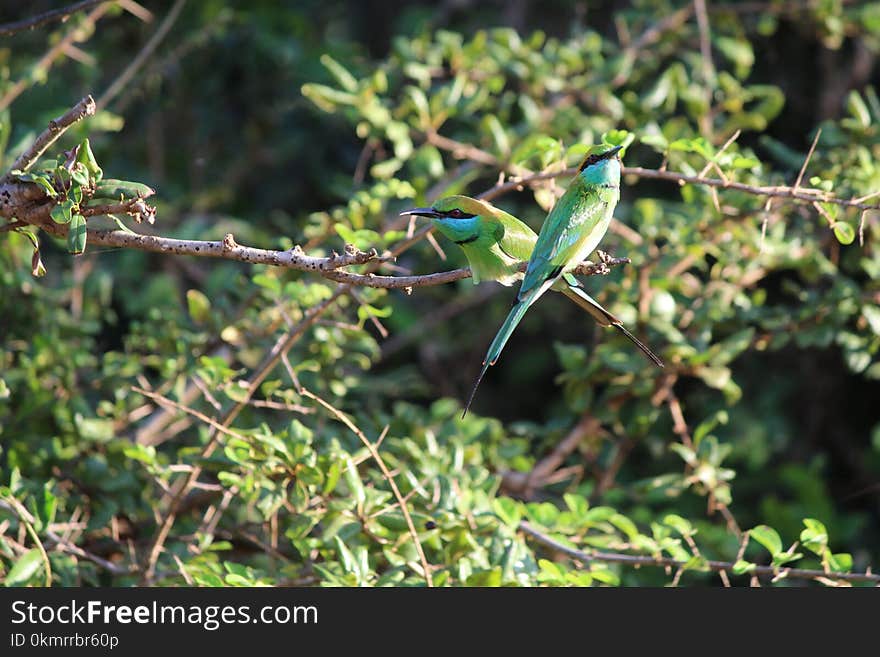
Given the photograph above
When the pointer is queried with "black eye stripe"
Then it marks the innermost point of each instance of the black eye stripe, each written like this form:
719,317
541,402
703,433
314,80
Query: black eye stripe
592,159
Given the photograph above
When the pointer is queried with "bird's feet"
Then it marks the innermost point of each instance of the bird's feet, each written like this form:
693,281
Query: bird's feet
602,268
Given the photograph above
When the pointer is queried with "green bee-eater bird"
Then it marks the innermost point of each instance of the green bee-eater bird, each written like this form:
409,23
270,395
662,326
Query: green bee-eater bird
495,242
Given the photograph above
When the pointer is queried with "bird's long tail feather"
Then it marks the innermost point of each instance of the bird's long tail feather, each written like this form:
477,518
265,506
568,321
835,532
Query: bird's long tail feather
641,345
605,318
501,338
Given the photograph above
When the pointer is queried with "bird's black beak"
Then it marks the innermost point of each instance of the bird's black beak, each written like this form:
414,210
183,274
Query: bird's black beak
422,212
607,155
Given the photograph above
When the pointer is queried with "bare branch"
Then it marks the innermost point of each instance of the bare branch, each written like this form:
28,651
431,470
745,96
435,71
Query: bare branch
162,400
652,35
460,149
808,196
797,183
523,483
148,49
665,562
79,33
60,14
65,546
57,127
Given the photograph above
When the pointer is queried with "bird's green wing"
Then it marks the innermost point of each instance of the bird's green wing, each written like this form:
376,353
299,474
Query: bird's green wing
566,230
514,237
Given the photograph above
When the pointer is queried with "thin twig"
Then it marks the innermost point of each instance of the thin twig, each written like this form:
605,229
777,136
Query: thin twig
712,162
797,183
165,401
27,520
78,33
148,49
60,14
461,150
804,195
523,483
342,417
281,347
666,562
649,37
60,543
56,128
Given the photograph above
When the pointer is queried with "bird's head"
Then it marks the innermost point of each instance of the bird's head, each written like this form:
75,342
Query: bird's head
601,166
453,208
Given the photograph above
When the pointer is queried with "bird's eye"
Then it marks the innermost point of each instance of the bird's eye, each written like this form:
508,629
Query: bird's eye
455,213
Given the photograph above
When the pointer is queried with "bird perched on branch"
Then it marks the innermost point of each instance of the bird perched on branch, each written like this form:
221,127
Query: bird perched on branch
495,243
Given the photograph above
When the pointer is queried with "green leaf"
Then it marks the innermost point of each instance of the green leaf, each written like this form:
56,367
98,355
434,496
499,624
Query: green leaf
679,524
783,558
87,158
63,212
121,226
824,185
365,311
508,510
599,514
48,505
621,138
353,479
625,525
76,234
551,573
79,174
349,563
815,536
768,537
40,179
603,575
738,51
841,562
25,568
703,429
577,504
742,567
485,578
327,98
199,306
844,233
493,126
856,106
345,79
119,190
38,269
386,169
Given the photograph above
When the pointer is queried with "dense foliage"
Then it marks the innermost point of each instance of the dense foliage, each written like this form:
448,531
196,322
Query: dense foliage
758,443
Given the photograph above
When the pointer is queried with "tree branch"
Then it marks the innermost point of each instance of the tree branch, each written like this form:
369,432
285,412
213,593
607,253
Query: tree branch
523,483
801,195
135,64
65,546
666,562
56,128
78,33
60,14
